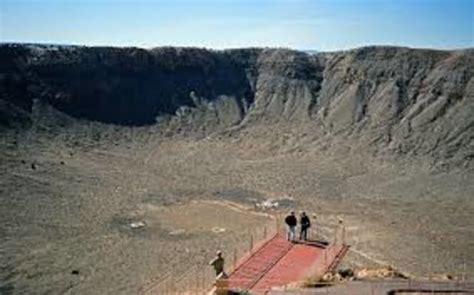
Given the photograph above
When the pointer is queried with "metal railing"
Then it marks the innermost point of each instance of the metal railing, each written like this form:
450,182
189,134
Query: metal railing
200,279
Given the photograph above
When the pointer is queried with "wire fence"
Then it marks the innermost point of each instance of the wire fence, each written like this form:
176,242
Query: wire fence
200,278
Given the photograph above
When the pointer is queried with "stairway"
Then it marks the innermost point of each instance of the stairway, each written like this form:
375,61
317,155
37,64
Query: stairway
246,275
278,262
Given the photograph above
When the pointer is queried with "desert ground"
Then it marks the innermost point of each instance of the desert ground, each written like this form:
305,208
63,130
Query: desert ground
121,167
68,202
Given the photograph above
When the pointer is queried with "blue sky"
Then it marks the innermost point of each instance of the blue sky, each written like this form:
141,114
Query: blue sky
300,24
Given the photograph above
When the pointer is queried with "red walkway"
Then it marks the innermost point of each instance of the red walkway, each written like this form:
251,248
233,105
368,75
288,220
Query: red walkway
279,262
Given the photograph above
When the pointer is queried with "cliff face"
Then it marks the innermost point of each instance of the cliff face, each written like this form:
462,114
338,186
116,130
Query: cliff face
410,100
124,86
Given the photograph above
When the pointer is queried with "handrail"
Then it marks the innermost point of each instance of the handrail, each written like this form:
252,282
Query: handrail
270,266
168,283
253,253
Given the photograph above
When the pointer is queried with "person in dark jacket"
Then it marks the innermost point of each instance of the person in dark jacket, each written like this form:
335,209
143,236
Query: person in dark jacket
218,263
291,223
305,223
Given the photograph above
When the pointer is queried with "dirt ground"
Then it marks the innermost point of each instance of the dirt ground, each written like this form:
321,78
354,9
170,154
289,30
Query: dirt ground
67,208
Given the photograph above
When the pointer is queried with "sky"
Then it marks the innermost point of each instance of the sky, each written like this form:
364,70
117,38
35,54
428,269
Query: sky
323,25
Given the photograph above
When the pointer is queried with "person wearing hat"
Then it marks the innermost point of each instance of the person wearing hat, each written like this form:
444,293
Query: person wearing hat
291,222
218,263
305,223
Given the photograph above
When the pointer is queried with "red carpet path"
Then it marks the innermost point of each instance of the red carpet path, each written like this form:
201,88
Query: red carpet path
278,262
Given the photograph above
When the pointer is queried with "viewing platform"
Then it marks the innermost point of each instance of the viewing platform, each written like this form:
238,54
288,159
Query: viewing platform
278,262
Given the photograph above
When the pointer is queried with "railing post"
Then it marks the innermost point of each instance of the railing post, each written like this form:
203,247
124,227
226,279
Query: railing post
314,228
464,270
251,243
343,238
325,259
234,263
276,223
336,231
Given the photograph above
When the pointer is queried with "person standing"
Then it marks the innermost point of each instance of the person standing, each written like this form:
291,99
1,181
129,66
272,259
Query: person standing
218,263
291,223
305,223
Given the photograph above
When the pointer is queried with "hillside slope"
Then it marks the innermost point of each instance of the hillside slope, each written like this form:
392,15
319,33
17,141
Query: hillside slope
187,141
408,100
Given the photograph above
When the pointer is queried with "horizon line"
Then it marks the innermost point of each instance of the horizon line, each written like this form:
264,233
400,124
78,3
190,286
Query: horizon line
307,50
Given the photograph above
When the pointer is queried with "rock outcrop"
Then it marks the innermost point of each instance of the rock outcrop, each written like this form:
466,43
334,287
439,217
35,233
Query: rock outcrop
409,100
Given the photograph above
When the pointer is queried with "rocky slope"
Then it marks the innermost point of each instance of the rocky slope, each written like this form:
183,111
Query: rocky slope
406,100
94,139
